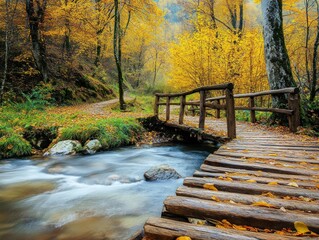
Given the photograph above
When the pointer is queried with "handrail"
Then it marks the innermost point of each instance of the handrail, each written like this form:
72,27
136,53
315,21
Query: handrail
293,110
229,86
229,107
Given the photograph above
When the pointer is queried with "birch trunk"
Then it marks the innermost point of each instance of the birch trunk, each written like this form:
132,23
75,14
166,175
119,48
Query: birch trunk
277,60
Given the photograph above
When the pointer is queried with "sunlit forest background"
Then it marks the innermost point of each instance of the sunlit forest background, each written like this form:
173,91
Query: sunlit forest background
166,45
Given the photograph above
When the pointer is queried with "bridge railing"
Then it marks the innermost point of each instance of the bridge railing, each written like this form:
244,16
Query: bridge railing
203,104
292,111
227,103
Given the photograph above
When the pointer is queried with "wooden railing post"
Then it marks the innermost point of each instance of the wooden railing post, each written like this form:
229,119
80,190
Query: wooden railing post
218,110
252,112
230,113
182,109
202,110
168,108
294,104
156,106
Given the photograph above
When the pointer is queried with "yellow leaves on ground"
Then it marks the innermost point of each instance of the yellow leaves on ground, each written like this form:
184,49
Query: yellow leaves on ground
303,230
293,184
216,199
269,194
251,181
225,179
301,227
263,204
183,238
273,183
210,186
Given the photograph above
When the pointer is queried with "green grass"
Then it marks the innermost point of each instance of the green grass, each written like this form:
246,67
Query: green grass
16,123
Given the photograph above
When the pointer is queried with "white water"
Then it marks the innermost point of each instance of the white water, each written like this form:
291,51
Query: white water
103,196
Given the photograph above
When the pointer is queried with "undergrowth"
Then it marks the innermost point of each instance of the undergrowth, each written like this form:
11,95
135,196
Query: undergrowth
21,123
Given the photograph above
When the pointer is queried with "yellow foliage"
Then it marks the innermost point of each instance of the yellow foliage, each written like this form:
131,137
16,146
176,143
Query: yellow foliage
263,204
210,186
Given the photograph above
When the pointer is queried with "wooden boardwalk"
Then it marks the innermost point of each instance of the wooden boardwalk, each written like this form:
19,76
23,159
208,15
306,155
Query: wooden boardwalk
254,187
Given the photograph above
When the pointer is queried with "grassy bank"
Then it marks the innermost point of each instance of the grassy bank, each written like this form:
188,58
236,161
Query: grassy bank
25,131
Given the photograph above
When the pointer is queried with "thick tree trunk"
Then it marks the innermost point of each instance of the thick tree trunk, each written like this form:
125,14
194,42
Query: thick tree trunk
36,19
6,52
313,83
277,60
118,52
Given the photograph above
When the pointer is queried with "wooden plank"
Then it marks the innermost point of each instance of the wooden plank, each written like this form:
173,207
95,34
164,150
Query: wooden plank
251,188
156,106
214,169
247,199
265,180
248,155
265,167
270,147
166,229
259,217
261,109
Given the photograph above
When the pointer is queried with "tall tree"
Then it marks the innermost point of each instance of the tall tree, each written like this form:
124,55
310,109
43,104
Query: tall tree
313,85
117,44
6,50
277,60
35,14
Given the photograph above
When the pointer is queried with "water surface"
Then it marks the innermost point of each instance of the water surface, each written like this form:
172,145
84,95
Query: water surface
103,196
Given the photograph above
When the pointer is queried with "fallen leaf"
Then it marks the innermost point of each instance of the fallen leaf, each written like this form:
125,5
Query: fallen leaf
210,186
269,194
216,199
301,227
197,221
225,179
283,209
273,183
273,154
263,204
183,238
251,181
232,202
317,186
293,184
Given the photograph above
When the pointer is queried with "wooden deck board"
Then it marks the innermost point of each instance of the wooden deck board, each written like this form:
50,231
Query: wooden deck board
261,165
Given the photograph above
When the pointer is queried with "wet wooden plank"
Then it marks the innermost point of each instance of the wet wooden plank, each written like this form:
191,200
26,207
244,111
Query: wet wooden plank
165,229
251,188
259,217
240,164
247,199
215,169
265,180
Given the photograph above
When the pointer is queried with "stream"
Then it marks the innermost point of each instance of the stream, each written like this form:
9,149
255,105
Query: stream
102,196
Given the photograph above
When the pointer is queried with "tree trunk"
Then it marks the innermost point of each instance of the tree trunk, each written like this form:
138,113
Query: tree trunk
313,86
36,19
118,52
6,52
277,60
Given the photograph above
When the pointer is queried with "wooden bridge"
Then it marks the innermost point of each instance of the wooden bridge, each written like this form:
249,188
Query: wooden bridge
257,186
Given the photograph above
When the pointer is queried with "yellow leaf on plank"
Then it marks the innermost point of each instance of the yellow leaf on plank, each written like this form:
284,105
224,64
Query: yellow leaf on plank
216,199
263,204
317,186
273,154
251,181
301,227
293,184
210,186
269,194
272,183
183,238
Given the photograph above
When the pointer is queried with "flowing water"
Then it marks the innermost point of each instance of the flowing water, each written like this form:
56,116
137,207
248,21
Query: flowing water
103,196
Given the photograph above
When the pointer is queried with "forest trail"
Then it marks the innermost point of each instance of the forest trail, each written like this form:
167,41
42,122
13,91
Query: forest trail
256,186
